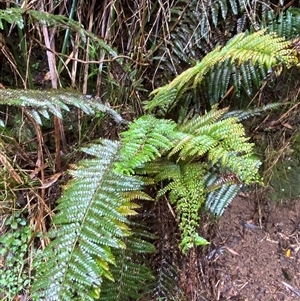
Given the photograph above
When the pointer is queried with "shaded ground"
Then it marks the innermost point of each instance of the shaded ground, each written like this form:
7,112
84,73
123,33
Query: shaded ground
255,253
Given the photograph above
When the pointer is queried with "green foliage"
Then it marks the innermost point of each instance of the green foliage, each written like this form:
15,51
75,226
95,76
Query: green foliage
16,15
12,15
90,222
40,103
13,250
243,51
195,28
221,142
147,138
203,160
131,274
248,113
187,193
221,191
91,225
285,24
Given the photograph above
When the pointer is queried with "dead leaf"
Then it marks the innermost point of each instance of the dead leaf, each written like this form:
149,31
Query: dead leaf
286,125
50,181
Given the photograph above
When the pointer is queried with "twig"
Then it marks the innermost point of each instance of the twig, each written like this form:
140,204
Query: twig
291,288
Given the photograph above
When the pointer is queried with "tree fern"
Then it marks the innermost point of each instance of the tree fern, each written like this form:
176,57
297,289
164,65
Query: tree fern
88,224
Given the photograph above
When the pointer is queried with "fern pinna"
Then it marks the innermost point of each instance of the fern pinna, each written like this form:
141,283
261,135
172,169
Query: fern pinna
91,220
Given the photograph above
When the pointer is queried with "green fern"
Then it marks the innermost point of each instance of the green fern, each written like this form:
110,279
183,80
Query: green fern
146,139
172,155
244,52
224,142
285,24
187,193
16,15
132,279
91,220
221,190
248,113
39,103
11,15
218,200
195,28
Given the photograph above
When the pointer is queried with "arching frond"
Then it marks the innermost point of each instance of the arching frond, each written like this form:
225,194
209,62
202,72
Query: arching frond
91,220
16,15
244,52
245,114
39,103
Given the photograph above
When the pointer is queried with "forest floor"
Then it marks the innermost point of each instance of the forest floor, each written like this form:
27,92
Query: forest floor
254,254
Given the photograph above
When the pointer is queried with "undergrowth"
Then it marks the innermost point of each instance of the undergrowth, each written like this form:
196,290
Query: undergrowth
178,145
14,254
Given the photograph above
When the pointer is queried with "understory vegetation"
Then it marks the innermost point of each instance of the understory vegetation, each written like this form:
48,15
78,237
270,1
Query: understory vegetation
113,112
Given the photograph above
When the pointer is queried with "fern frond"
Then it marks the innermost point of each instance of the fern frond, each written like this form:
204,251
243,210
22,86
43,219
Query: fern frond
245,114
90,221
12,15
132,276
38,103
166,284
193,125
224,141
16,15
286,24
218,200
145,140
243,51
172,154
187,191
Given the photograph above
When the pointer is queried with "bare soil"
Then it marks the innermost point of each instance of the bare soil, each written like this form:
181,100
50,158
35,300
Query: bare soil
254,255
